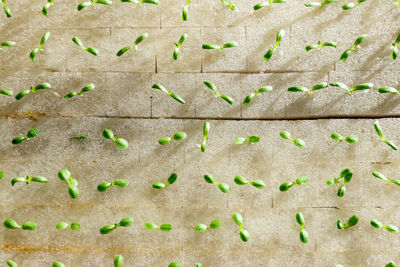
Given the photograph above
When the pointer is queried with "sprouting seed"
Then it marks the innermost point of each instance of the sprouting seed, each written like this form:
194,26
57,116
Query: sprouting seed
12,263
47,6
206,129
384,178
202,227
6,92
320,45
32,90
223,187
302,180
250,97
391,264
92,51
125,222
251,139
141,2
44,38
229,4
93,3
359,87
346,175
58,264
390,227
222,47
135,46
298,142
395,46
166,227
185,11
217,94
80,137
346,53
163,89
238,219
308,90
178,46
240,180
352,139
85,89
6,8
7,43
176,136
65,175
352,5
311,4
30,134
11,224
388,90
380,134
120,142
106,185
397,2
268,3
198,264
303,232
171,179
175,264
270,52
28,180
1,175
118,261
63,225
351,222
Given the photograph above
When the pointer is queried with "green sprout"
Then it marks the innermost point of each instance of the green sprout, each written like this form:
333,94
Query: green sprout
351,139
118,261
171,179
270,2
141,2
178,46
303,232
47,6
389,90
229,4
346,53
175,264
198,264
1,175
125,222
360,87
241,140
250,97
163,227
106,185
217,94
270,53
395,46
213,46
185,11
223,187
380,134
238,219
202,227
391,264
302,180
351,222
320,45
81,137
6,9
206,128
32,90
176,136
135,46
384,178
65,175
298,142
307,90
351,4
30,134
28,180
63,225
11,224
58,264
120,142
7,43
12,263
347,175
240,180
85,89
390,227
311,4
163,89
93,3
92,51
44,38
6,92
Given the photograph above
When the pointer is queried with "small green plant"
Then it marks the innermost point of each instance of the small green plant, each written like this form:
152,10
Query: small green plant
198,264
268,3
93,3
298,142
346,175
6,9
47,6
91,50
351,222
118,261
390,227
32,90
229,4
388,90
270,52
30,134
175,264
319,45
395,46
44,38
163,89
65,176
358,41
213,88
1,175
307,90
125,222
163,227
80,137
380,134
6,92
176,136
250,97
6,44
85,89
63,225
120,142
240,180
185,11
171,179
135,46
384,178
223,187
352,5
391,264
351,139
12,263
303,232
206,129
141,2
178,46
202,227
11,224
28,180
222,47
238,219
311,4
360,87
58,264
302,180
251,139
106,185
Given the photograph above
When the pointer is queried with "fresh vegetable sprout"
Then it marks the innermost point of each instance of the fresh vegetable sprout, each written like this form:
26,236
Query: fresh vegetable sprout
303,232
384,178
198,264
12,263
32,90
268,3
7,43
217,94
92,51
58,264
120,142
238,219
171,179
118,261
240,180
81,137
396,44
30,134
360,87
141,2
163,89
206,128
44,38
299,181
28,180
85,89
176,136
106,185
347,175
135,46
175,264
351,139
390,264
351,5
63,225
47,6
185,11
6,92
213,46
320,4
11,224
125,222
390,227
202,227
178,46
380,134
229,4
93,3
306,90
1,175
6,9
241,140
270,53
351,222
320,45
65,175
298,142
346,53
250,97
389,90
223,187
163,227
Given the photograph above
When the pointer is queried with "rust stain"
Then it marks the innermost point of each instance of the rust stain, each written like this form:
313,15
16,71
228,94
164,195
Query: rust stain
28,114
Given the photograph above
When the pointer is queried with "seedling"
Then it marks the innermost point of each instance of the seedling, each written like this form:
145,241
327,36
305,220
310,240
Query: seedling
118,261
346,53
11,224
352,5
303,232
360,87
47,6
58,264
141,2
163,227
319,45
351,222
241,140
380,134
106,185
7,43
351,139
65,175
28,180
389,90
250,97
390,264
185,11
32,90
222,47
178,46
85,89
92,51
397,2
198,264
383,177
299,181
175,264
346,175
120,142
1,175
202,227
223,187
44,38
206,128
6,9
63,225
306,90
163,89
176,136
268,3
125,222
270,53
6,92
30,134
93,3
217,94
238,219
135,46
229,4
395,45
240,180
390,227
320,4
81,137
12,263
171,179
298,142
